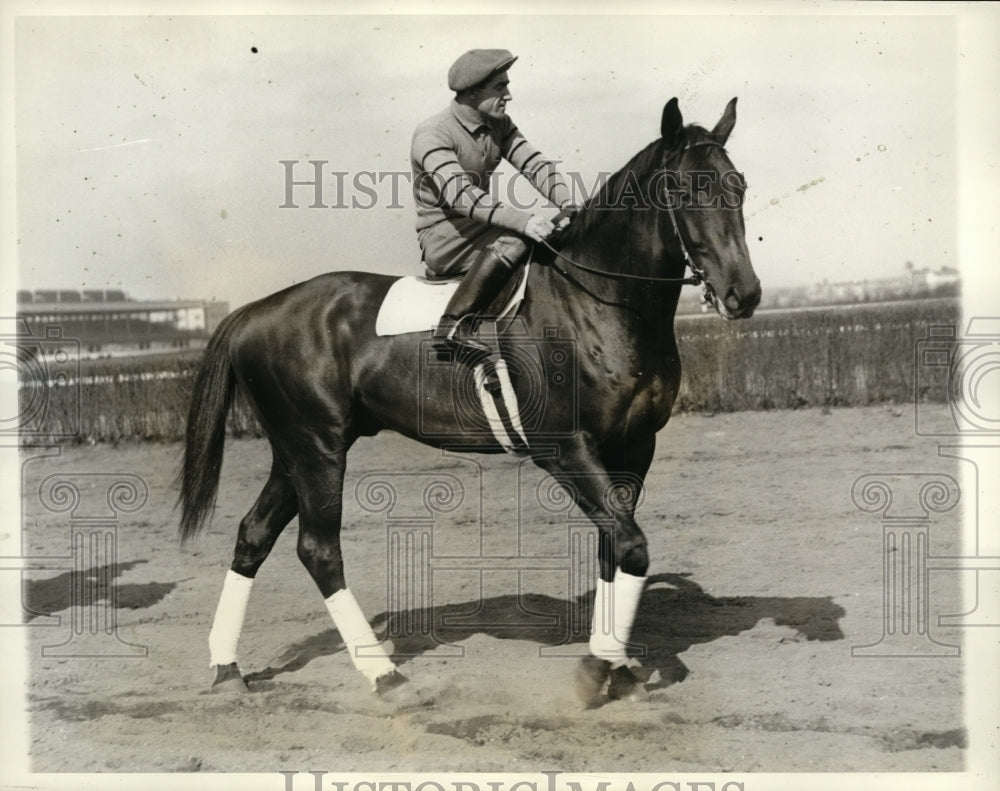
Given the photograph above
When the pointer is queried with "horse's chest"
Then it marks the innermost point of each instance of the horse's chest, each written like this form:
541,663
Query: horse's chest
651,403
631,392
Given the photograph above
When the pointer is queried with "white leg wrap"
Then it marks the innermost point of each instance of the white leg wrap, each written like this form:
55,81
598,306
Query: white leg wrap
602,642
615,606
227,627
368,655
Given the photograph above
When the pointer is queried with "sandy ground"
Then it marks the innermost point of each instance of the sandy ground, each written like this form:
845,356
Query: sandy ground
764,575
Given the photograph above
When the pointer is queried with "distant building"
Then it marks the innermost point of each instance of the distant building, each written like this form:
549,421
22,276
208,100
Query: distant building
932,280
110,323
944,281
913,284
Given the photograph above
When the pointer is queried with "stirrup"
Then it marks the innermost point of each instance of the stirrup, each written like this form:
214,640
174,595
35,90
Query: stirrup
449,336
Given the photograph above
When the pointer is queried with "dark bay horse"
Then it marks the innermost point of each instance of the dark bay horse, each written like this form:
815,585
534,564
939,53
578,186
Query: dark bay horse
317,377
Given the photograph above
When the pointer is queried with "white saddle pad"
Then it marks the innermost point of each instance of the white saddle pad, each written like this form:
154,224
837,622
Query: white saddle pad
414,304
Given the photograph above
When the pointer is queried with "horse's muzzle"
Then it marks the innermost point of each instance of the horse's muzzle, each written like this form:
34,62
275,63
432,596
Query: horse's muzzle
741,304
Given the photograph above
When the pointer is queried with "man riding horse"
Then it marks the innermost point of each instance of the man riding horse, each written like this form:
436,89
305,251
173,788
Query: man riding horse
317,375
461,228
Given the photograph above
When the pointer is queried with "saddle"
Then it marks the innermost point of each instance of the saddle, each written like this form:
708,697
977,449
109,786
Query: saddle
415,304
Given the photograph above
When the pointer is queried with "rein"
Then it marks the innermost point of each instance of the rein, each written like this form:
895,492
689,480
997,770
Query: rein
697,276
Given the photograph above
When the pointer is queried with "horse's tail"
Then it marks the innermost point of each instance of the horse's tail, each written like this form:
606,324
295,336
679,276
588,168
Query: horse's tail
205,436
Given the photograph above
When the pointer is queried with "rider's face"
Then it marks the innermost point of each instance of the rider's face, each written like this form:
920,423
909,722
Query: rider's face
492,97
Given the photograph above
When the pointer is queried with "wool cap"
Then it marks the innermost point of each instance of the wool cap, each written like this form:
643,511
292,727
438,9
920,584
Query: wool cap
476,66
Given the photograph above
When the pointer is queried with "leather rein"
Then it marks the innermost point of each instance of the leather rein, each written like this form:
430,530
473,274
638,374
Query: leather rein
697,276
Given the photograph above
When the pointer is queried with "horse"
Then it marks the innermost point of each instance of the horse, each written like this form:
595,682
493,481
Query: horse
317,377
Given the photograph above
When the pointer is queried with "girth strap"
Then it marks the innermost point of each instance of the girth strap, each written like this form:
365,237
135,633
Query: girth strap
497,395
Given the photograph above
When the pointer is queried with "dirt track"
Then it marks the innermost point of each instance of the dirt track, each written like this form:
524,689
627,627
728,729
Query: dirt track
764,574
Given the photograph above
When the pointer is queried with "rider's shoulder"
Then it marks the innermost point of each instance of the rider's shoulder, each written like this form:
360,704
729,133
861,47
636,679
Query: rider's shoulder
439,123
444,116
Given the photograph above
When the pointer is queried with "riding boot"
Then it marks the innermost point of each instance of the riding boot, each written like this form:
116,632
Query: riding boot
478,288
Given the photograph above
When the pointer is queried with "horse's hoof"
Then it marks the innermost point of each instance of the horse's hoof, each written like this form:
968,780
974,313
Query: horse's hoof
624,685
591,674
390,681
229,679
395,689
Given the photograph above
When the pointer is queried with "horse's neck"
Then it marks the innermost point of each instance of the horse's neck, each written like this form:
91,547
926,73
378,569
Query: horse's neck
640,310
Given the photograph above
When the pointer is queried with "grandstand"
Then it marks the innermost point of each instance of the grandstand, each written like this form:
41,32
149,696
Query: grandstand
110,323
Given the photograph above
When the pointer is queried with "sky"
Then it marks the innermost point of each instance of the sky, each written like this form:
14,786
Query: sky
148,149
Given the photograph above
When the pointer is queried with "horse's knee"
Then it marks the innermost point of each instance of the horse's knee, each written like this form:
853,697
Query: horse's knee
635,559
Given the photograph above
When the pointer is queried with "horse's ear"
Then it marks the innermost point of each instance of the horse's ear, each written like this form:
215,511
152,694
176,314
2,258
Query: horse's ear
726,123
671,123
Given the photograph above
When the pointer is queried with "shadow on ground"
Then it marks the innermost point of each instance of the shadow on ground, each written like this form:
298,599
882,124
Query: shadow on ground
674,614
43,597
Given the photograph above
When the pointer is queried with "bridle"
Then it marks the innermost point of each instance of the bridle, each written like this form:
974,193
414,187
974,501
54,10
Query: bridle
697,276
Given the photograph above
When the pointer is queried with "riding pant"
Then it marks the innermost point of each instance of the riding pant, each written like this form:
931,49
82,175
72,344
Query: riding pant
451,246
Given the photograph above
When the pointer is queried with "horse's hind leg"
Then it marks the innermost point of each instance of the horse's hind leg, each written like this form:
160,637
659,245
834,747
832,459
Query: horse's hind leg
259,529
320,492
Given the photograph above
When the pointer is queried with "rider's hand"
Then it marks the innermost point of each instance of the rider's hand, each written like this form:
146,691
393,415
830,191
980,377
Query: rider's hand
565,216
538,228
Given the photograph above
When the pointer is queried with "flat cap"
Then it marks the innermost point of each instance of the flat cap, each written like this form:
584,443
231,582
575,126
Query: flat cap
476,66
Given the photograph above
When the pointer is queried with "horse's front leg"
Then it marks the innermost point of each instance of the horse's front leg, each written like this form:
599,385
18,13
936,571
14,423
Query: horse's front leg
609,499
616,603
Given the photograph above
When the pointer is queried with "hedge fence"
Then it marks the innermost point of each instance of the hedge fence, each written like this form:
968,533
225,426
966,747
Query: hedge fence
843,356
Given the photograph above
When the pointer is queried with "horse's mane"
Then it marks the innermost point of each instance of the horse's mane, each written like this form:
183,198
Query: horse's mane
638,168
